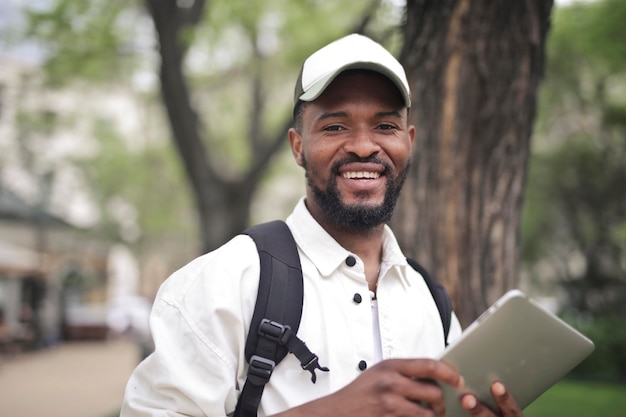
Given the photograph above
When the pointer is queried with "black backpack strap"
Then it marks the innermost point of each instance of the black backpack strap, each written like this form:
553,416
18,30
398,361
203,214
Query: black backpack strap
440,295
277,313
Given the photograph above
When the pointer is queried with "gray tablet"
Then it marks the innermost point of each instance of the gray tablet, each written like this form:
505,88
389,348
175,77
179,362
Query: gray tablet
518,343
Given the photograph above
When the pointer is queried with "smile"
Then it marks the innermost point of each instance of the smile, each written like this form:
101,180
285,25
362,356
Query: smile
361,175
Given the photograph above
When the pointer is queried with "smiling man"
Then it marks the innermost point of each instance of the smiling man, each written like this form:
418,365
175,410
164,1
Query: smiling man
354,142
352,137
370,147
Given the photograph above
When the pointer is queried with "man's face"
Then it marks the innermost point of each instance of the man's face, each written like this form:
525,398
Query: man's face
354,144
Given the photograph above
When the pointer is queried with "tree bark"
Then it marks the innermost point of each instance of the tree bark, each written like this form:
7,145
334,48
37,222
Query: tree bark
474,69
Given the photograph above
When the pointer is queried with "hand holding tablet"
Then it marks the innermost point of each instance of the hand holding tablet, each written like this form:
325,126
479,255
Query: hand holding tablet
518,343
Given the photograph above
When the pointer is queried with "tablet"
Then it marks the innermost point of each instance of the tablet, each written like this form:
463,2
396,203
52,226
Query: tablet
517,342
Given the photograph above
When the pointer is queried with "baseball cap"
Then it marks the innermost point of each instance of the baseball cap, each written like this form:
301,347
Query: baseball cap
350,52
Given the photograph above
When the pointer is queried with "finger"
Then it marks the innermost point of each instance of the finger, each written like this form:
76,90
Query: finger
418,408
429,369
505,401
428,394
475,408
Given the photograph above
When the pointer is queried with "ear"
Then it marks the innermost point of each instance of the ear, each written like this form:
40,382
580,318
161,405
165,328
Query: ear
295,140
411,132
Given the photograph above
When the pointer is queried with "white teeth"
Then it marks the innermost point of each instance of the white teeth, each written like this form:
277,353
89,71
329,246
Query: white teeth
361,174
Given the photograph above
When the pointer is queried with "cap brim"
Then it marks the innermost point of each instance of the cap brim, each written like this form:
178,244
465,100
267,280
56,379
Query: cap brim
319,86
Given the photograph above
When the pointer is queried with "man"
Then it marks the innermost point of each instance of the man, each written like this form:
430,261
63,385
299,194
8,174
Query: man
352,137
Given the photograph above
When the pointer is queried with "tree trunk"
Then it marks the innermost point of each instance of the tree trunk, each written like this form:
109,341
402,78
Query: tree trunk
223,206
474,69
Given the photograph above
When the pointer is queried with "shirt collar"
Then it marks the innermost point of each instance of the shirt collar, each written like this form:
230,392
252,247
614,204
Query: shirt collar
326,253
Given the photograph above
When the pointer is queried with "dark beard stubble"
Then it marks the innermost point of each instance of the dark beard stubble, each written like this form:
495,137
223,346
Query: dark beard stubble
357,216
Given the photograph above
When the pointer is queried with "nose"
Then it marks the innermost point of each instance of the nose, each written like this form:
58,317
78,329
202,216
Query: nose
362,144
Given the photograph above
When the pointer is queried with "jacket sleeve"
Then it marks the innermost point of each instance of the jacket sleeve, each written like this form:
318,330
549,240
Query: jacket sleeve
199,322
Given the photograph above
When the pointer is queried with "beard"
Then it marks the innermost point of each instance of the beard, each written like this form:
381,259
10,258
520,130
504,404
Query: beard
357,216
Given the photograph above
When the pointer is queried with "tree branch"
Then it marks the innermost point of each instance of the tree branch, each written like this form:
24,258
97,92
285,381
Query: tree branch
168,21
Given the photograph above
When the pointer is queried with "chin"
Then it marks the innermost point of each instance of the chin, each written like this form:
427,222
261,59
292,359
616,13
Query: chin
363,203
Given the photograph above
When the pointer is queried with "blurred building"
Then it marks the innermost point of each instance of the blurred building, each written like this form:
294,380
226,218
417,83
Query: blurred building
56,276
53,283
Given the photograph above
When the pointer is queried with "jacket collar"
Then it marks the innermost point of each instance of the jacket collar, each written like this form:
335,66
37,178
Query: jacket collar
327,254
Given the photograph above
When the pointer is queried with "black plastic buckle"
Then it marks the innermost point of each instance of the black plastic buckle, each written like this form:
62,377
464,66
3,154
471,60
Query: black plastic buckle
260,370
275,331
312,365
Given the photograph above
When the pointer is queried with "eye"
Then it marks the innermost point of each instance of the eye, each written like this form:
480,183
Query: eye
334,128
386,126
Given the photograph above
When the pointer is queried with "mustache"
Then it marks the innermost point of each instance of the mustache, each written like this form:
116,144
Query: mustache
354,158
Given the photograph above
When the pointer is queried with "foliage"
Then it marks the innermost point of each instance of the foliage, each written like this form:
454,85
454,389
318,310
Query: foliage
237,58
608,361
84,39
585,55
139,189
575,212
579,399
575,217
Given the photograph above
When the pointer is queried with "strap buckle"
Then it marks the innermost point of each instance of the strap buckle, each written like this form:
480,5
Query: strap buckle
312,365
275,331
260,370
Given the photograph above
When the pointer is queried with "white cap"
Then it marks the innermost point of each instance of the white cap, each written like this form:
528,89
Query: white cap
350,52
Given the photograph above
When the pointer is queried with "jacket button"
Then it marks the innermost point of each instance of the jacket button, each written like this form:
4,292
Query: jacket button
357,298
362,365
350,260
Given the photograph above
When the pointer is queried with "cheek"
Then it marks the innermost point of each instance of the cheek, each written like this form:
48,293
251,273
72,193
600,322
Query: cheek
317,166
400,155
318,156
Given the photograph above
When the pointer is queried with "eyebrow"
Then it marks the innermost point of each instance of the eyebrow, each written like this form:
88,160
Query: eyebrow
325,116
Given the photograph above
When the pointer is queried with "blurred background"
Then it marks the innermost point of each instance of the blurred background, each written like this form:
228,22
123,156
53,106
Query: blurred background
136,135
